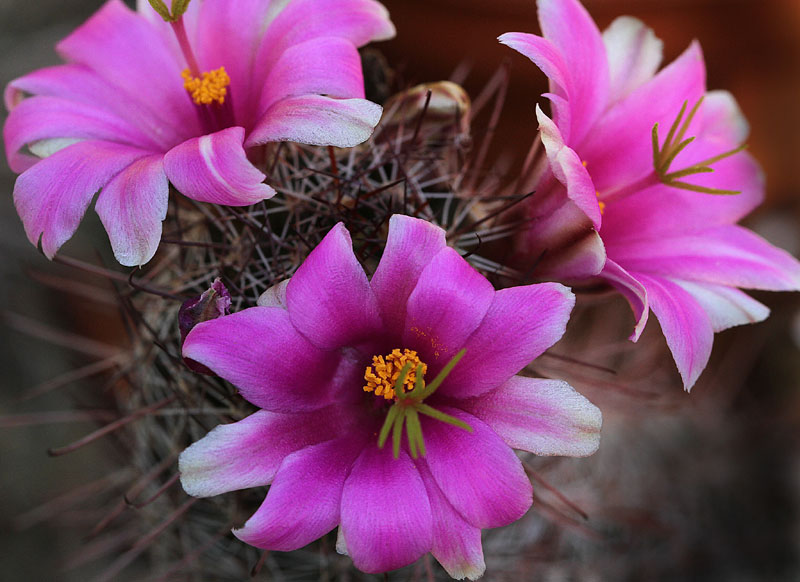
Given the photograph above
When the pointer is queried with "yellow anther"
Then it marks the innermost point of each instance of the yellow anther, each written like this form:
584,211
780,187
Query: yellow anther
211,87
384,371
600,202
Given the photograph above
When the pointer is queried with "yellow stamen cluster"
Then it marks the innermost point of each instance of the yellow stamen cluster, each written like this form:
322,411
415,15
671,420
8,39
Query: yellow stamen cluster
210,88
384,372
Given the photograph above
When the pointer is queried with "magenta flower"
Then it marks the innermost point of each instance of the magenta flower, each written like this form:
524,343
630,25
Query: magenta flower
337,361
142,102
646,181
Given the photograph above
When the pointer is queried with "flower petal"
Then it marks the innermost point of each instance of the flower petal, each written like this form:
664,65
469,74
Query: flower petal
491,493
456,543
305,497
727,255
52,196
329,298
386,515
447,305
521,323
214,168
248,453
545,417
725,306
132,206
634,55
410,247
268,360
632,290
686,326
322,66
317,120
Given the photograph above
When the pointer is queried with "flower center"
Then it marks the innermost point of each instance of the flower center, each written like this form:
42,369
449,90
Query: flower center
210,87
382,375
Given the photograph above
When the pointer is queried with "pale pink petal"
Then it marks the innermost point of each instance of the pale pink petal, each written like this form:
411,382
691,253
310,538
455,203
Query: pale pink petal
544,55
727,255
324,66
214,168
722,120
634,55
490,493
269,361
632,290
456,543
304,500
132,206
570,28
386,515
568,169
725,306
410,246
52,196
546,417
521,323
448,303
329,298
137,62
317,120
685,324
248,453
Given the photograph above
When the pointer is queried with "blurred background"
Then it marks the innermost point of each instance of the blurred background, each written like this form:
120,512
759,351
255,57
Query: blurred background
700,487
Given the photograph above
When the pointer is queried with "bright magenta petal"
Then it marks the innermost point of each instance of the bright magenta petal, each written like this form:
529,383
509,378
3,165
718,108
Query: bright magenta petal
52,196
329,298
632,290
386,515
305,497
273,365
248,453
456,543
132,206
686,326
411,245
447,305
634,55
214,168
317,120
490,493
546,417
521,323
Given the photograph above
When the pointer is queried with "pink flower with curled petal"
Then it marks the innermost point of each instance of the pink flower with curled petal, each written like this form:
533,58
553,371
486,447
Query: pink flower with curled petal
142,102
337,362
646,180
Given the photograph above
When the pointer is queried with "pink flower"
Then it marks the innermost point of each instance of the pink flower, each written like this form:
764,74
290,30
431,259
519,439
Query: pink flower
142,102
322,362
646,181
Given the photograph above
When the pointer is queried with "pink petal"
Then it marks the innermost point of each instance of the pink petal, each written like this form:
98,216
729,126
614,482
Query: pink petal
567,25
686,326
456,543
521,323
52,196
386,515
544,55
329,298
447,305
632,290
214,168
568,169
139,61
317,120
725,306
324,66
634,55
722,120
490,493
410,246
304,499
132,206
248,453
269,361
546,417
727,255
